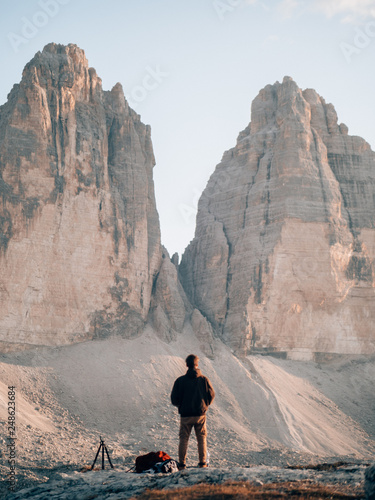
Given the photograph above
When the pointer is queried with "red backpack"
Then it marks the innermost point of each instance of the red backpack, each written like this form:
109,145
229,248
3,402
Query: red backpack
146,462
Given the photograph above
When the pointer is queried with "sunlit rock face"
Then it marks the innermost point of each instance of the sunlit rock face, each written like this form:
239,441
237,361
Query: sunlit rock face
79,231
283,254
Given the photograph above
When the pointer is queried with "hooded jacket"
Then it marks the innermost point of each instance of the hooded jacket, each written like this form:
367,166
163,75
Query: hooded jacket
192,393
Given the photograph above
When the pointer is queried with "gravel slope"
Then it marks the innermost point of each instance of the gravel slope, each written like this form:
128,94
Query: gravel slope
267,411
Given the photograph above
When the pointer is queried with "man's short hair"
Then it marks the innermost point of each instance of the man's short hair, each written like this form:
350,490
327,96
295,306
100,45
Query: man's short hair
192,360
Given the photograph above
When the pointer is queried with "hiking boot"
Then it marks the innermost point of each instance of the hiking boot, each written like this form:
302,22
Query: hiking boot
202,464
181,466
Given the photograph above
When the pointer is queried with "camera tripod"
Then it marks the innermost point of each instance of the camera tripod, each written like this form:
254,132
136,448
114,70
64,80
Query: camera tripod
102,447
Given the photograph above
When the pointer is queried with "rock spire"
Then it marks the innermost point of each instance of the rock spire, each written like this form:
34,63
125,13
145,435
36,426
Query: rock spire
283,254
80,238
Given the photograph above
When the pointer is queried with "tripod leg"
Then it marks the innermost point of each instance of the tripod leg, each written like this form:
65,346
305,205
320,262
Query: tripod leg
97,453
109,460
102,455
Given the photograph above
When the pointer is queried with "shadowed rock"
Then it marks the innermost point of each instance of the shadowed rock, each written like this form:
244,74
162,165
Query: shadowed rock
370,482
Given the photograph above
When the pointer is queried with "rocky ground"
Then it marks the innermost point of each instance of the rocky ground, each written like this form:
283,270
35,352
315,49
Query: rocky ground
119,484
268,414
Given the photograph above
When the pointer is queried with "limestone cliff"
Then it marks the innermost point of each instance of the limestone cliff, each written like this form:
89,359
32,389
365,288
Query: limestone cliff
79,231
283,255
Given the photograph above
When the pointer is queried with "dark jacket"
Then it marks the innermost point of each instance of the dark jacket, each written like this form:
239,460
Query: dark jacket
192,393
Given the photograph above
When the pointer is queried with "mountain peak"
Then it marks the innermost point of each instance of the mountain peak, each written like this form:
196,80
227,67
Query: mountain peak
53,54
288,79
273,260
63,66
77,194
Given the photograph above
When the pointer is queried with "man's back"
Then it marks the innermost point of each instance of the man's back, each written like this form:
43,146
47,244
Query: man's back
192,393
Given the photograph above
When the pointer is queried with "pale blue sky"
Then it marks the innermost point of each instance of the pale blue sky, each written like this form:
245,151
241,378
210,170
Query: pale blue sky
192,67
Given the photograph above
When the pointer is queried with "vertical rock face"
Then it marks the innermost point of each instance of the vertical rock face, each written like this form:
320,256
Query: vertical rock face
283,254
79,230
169,304
170,309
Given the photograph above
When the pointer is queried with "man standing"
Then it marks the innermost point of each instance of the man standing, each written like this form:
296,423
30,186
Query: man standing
192,394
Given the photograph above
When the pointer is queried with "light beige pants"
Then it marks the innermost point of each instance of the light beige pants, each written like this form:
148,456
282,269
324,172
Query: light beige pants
186,425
